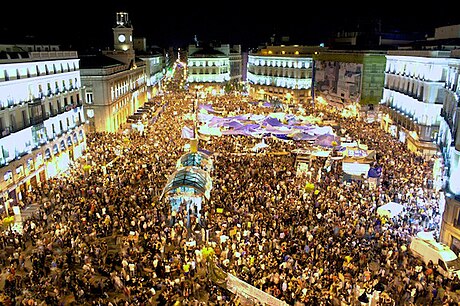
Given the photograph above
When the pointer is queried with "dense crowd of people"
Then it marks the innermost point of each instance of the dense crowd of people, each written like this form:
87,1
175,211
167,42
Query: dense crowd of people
105,236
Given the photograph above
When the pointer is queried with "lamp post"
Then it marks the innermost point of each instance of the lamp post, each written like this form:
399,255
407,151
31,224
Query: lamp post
313,81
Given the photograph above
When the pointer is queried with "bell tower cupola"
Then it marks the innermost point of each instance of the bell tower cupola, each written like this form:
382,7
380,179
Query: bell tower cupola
123,33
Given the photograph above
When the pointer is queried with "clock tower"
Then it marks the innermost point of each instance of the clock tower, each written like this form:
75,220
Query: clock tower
123,33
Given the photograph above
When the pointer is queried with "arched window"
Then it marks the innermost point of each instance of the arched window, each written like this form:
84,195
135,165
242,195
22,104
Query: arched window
47,154
55,149
81,136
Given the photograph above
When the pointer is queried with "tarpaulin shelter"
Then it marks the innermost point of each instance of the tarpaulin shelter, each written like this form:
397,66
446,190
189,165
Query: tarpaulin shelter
327,140
357,162
359,156
259,146
302,136
187,133
207,107
275,124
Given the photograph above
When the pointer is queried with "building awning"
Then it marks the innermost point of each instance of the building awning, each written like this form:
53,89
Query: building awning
188,181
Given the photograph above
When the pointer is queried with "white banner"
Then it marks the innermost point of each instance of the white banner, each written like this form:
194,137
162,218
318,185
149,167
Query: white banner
239,287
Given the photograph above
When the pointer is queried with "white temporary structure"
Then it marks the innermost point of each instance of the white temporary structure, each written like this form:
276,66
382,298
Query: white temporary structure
391,209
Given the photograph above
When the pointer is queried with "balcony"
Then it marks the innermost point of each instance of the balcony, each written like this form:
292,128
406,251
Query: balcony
13,129
5,132
38,119
36,101
72,106
31,121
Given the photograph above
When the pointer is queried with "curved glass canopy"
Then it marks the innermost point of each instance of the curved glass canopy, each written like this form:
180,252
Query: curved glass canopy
190,180
197,159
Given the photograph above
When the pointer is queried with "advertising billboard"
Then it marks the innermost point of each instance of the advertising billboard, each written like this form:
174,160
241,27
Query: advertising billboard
339,82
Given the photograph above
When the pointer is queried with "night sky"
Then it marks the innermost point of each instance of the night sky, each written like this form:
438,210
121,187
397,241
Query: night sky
81,24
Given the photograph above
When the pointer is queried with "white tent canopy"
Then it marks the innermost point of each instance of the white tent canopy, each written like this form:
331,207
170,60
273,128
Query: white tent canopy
426,235
391,209
259,146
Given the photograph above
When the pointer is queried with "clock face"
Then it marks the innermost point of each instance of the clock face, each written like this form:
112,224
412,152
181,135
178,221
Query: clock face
121,38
